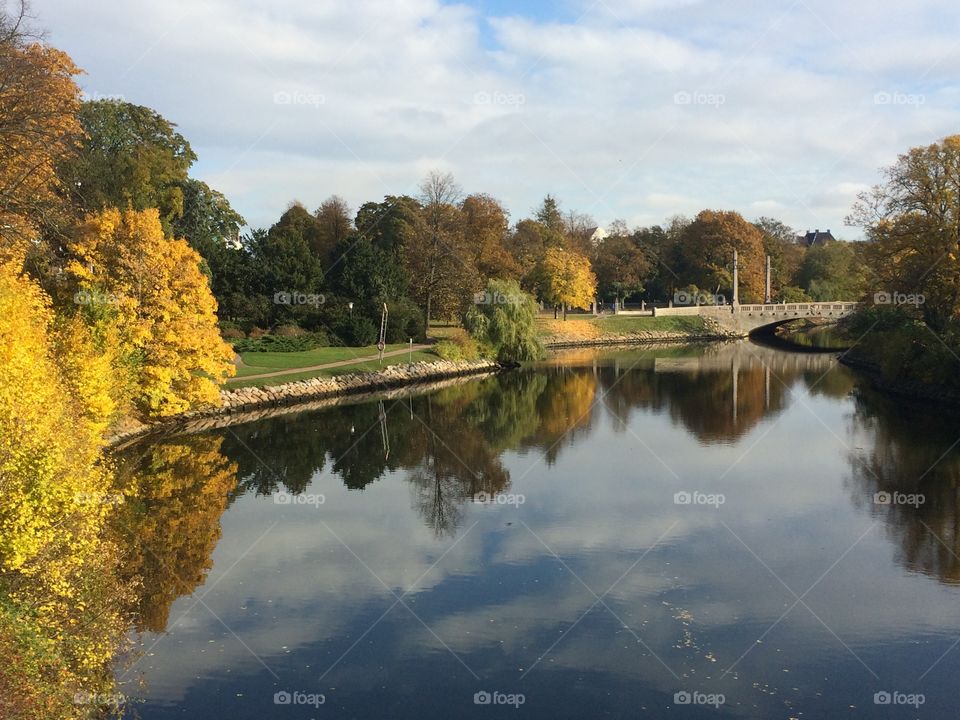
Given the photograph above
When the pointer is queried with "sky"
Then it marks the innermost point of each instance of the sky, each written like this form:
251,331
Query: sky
631,109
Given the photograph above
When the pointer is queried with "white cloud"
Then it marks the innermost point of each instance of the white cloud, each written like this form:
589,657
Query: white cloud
585,110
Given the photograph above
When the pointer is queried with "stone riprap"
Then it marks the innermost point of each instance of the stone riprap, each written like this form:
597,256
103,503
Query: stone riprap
254,402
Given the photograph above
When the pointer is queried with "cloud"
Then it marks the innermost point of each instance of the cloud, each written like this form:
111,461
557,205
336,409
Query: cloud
608,110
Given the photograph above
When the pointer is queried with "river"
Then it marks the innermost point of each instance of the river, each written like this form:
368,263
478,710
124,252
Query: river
708,531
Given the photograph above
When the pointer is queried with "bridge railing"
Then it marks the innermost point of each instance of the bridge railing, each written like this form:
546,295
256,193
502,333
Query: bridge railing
776,309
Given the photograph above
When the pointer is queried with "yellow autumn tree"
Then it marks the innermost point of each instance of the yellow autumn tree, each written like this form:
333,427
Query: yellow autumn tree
60,604
161,304
567,279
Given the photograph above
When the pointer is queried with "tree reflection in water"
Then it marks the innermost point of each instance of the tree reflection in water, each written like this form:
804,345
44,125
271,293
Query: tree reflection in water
448,445
911,451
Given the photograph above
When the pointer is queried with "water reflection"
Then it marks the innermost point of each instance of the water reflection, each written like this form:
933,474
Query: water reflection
506,598
906,470
182,487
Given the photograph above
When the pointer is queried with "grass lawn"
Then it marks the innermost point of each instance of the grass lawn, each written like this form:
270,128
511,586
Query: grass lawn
368,366
257,363
587,328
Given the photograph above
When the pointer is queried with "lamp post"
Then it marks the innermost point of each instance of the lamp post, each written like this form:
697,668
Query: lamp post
350,306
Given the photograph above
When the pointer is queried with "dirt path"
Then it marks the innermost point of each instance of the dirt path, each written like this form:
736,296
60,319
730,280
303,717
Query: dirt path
338,363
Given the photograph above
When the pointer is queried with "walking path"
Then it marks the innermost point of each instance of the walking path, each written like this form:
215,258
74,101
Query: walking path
325,366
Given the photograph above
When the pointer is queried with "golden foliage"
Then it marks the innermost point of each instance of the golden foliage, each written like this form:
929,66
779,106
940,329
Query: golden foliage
567,278
164,310
38,125
55,570
183,488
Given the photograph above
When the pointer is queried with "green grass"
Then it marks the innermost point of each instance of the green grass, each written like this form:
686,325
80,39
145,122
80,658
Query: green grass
590,327
620,324
368,366
257,363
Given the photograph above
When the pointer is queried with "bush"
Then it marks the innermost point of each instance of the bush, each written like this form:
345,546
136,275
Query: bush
289,331
231,331
356,331
405,321
457,347
278,343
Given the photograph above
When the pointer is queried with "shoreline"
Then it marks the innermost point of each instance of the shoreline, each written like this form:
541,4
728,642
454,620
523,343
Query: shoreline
251,403
246,404
905,389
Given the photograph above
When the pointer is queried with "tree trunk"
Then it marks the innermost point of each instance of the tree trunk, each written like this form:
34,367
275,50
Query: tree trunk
564,311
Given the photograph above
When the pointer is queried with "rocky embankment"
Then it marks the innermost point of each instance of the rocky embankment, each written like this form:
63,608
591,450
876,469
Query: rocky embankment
711,333
250,403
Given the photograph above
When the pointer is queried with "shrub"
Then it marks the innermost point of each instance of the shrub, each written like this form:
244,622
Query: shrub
405,321
356,331
277,343
457,347
230,331
289,331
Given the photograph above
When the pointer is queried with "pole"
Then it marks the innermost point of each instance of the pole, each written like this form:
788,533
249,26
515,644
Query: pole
382,344
736,280
766,296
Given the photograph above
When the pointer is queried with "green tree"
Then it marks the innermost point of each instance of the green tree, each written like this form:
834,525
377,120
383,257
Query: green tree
208,222
833,271
132,156
504,324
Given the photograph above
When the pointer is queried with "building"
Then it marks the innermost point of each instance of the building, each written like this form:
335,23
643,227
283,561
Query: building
815,237
595,234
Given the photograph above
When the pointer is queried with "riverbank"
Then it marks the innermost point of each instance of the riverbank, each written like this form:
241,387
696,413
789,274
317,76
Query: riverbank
904,387
246,402
243,404
597,335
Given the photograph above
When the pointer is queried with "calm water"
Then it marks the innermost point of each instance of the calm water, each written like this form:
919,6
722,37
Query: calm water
588,587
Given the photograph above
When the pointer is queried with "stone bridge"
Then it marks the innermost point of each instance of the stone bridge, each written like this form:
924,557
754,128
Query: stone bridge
745,319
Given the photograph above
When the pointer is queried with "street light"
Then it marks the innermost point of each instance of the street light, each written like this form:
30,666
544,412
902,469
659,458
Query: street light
350,305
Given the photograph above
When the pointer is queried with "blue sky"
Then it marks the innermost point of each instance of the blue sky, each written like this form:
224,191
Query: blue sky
638,109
